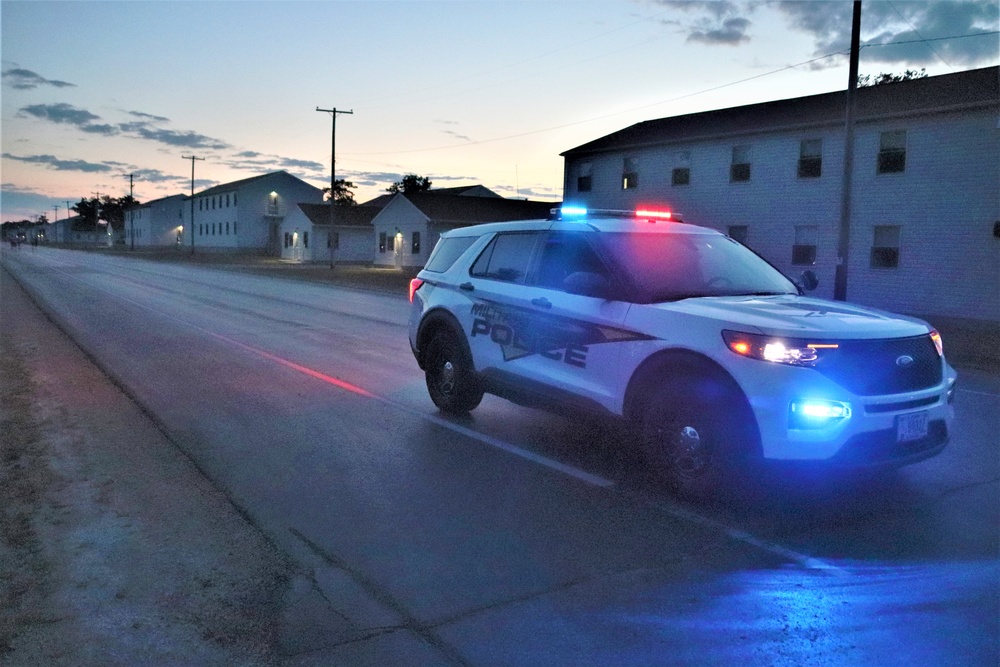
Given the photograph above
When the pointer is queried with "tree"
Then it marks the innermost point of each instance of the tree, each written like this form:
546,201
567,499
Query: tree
343,195
886,77
113,210
88,210
409,184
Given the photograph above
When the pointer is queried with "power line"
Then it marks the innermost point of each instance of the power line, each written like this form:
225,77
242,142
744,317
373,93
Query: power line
668,101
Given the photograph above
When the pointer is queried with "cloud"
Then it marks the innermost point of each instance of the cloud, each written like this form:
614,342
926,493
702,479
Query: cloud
933,30
83,120
149,117
52,162
456,135
60,113
732,32
24,79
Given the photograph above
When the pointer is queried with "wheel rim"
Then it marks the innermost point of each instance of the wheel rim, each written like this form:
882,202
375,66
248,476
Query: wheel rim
446,377
688,451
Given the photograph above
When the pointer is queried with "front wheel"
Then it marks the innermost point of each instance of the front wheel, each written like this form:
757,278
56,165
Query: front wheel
688,442
451,378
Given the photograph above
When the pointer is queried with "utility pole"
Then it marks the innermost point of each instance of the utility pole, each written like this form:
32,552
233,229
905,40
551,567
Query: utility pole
844,240
333,178
191,231
131,218
97,213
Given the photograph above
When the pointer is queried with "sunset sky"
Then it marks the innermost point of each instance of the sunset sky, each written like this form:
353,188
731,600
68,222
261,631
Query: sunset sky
463,92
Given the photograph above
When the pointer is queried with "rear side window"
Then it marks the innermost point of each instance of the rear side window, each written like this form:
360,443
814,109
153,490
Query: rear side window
447,251
506,258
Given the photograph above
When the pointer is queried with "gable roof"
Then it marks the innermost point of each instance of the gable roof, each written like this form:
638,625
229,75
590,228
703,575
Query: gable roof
464,190
970,89
236,185
347,216
462,210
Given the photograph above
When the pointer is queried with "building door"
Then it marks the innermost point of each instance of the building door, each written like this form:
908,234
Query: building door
297,247
397,249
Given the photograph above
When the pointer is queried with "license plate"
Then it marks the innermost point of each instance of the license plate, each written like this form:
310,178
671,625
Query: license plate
911,427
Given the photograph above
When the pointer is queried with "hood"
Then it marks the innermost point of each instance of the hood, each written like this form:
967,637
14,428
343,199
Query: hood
798,316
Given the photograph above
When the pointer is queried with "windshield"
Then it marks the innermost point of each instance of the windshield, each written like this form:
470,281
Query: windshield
670,267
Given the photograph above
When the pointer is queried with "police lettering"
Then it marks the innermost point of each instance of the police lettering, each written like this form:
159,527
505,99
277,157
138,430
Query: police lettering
547,346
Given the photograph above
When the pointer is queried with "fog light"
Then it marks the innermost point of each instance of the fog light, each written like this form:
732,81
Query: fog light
817,413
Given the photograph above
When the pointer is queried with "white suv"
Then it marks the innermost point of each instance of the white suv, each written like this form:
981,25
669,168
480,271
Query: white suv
716,357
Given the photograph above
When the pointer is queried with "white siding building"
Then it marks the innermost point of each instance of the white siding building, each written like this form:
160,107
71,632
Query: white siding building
156,223
305,234
409,225
925,203
246,215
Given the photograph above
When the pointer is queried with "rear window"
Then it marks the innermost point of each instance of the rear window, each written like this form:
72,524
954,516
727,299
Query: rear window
447,251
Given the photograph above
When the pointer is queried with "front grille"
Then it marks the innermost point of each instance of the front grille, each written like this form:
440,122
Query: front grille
876,367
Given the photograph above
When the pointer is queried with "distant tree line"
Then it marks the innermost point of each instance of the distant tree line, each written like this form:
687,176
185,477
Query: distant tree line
883,78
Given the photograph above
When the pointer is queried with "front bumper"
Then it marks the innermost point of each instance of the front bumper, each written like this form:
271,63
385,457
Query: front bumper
878,431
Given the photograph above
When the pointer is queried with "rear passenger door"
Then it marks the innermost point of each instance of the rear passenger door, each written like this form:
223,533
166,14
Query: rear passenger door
577,318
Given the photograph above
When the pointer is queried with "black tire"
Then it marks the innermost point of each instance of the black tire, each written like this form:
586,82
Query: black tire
451,378
689,441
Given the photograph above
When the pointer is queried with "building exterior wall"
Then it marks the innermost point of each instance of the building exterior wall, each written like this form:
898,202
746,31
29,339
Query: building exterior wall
354,243
945,203
398,222
248,215
157,224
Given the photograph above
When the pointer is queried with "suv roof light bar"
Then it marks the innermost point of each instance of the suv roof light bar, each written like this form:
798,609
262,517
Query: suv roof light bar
642,213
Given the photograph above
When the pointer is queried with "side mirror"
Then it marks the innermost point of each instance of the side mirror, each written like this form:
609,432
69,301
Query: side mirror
585,283
808,281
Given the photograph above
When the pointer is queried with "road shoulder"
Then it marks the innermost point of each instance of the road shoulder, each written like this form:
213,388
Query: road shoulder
115,545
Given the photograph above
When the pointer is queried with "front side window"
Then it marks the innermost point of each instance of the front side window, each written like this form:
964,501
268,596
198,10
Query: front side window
381,242
415,243
739,169
659,267
305,239
892,152
811,158
562,255
681,174
885,247
506,258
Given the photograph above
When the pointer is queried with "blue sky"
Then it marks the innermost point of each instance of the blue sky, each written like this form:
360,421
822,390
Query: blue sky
475,91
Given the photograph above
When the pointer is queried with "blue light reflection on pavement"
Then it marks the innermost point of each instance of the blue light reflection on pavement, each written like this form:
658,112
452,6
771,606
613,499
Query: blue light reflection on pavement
876,615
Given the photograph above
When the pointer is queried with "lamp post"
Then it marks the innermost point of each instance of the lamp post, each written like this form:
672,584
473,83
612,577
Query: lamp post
333,179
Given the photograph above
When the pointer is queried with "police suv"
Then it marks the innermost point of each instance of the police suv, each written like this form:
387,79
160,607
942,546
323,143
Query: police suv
715,357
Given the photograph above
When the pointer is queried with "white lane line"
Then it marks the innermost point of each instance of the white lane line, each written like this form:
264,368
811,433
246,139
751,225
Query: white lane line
674,510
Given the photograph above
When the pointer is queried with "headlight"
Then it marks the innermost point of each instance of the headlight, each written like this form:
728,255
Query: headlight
793,351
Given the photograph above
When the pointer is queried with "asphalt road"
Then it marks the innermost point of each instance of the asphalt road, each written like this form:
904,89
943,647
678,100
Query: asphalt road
517,537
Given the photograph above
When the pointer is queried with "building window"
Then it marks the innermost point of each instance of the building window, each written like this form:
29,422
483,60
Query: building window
336,241
804,250
305,239
227,229
811,158
584,177
200,202
739,170
739,233
681,174
630,174
885,247
390,244
892,152
415,243
227,201
286,239
381,241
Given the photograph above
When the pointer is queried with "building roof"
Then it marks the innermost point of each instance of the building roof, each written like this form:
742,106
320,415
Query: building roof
160,200
962,90
347,216
452,209
236,185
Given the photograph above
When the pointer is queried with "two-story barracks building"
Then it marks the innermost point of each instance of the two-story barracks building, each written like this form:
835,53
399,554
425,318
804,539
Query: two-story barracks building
925,197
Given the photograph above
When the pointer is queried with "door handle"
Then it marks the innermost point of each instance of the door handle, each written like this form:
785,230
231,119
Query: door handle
468,287
541,302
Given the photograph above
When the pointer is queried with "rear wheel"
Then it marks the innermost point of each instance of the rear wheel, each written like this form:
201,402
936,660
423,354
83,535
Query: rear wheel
451,378
690,443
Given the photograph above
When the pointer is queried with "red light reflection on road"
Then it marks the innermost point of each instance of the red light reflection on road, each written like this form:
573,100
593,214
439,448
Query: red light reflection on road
353,388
